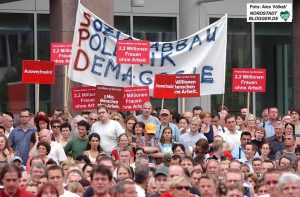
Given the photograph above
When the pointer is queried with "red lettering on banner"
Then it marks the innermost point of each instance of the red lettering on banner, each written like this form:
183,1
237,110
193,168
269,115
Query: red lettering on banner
82,36
85,56
87,16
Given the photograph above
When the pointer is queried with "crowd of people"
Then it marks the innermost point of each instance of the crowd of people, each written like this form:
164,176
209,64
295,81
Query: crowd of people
158,153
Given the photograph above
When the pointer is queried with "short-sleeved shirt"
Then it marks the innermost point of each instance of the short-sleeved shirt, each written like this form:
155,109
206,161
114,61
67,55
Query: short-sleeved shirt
57,152
175,132
76,146
190,139
109,133
269,128
152,120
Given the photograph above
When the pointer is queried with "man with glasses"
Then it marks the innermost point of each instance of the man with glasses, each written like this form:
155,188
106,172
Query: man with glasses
93,117
19,138
108,130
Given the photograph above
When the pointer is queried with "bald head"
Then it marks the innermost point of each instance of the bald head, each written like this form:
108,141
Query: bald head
176,171
45,135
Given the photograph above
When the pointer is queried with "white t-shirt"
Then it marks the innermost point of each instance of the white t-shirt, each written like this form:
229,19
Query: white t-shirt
68,194
57,152
109,133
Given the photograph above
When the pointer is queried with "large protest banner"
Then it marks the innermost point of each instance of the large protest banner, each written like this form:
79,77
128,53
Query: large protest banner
93,60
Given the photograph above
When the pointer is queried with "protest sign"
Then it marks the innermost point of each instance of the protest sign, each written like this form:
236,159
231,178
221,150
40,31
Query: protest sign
248,80
133,52
187,85
134,97
93,61
38,72
61,53
84,98
164,86
109,96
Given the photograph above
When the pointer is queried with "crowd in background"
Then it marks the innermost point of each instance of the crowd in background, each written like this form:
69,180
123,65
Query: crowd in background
158,153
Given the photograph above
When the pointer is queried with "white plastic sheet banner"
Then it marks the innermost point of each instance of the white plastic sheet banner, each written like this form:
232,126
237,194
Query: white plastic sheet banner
93,60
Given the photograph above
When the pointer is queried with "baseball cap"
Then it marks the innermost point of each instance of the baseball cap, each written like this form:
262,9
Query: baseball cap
150,128
164,111
162,171
17,158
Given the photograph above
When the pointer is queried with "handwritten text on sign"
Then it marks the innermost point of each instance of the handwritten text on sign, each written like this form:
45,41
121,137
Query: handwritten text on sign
61,53
248,80
133,51
84,98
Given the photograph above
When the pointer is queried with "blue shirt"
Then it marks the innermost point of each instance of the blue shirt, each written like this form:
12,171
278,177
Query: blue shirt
269,128
175,132
239,153
20,140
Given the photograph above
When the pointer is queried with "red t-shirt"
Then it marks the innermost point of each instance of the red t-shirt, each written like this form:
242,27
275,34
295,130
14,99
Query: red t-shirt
116,155
19,193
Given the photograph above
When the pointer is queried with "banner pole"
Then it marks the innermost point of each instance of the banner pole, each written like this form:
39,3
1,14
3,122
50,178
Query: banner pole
162,103
183,105
65,86
248,101
223,100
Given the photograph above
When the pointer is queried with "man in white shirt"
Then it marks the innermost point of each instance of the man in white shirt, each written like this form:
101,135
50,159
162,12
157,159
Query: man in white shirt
8,123
231,135
57,152
55,175
108,130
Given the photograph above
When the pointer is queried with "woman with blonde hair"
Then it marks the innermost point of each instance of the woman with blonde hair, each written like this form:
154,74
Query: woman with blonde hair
6,152
250,122
123,172
179,187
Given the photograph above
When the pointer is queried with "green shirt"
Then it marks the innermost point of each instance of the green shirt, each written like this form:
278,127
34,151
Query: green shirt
76,147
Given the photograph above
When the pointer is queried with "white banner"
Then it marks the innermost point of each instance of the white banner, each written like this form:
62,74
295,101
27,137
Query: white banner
93,60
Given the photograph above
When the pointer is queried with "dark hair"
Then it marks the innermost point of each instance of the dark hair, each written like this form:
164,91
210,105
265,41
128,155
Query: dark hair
297,149
9,114
88,145
197,108
229,116
99,159
130,117
175,157
54,167
45,144
102,107
184,118
139,148
141,174
85,112
10,168
39,118
101,169
85,158
174,146
66,125
51,162
85,124
293,126
141,124
86,165
162,139
45,186
120,186
245,133
2,127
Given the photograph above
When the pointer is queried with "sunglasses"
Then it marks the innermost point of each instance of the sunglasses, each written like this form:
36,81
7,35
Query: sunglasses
55,126
116,119
183,187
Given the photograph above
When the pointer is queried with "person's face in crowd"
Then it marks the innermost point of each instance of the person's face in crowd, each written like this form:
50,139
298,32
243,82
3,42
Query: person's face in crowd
230,124
207,187
174,162
239,121
73,177
151,187
56,178
187,164
167,135
212,167
161,182
245,169
245,111
265,149
194,126
271,180
257,166
43,180
181,190
139,152
36,174
175,171
234,193
138,129
251,121
250,181
273,114
124,141
245,139
129,191
249,153
178,151
66,169
289,129
265,115
85,116
94,142
129,125
278,130
286,119
188,115
125,157
42,151
295,116
183,124
103,114
108,164
198,167
235,165
44,135
233,178
164,118
290,189
224,167
259,135
265,166
196,113
215,121
24,179
289,140
82,132
284,162
206,119
11,183
2,143
2,131
195,178
93,117
101,184
32,189
147,109
56,114
24,117
258,121
223,114
8,122
123,174
55,128
43,124
262,190
65,132
87,172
